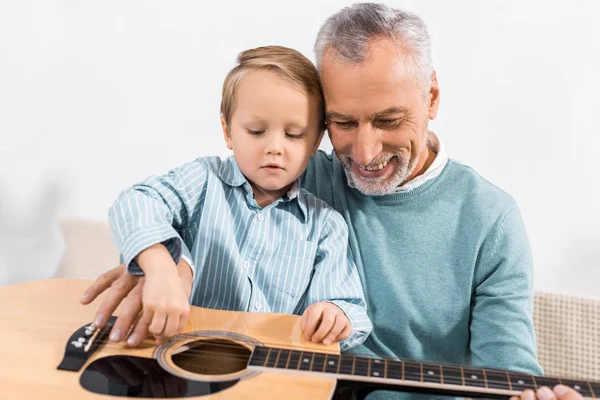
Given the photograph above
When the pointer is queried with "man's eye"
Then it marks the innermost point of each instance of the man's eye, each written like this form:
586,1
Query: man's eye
388,123
344,124
250,131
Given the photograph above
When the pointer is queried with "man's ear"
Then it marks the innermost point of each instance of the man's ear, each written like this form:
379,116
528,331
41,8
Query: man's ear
226,134
434,97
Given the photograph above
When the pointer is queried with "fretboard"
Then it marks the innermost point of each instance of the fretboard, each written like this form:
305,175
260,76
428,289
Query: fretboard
411,373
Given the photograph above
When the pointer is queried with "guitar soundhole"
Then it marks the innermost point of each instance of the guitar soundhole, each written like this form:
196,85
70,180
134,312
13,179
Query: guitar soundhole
213,357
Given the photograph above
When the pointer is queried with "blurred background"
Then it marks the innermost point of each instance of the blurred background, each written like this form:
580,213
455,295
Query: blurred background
95,96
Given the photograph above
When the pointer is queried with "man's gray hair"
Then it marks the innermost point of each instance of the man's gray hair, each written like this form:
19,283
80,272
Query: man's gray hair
349,31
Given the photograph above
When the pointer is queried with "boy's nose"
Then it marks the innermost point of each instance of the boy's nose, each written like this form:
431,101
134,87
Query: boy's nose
274,147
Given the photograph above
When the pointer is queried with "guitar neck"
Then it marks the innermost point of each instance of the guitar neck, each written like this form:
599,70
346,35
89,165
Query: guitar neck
408,375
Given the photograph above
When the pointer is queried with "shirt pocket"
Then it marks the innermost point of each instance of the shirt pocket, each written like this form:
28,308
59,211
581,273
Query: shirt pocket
294,261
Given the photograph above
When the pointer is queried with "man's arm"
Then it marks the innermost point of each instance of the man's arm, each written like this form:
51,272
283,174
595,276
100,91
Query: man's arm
502,331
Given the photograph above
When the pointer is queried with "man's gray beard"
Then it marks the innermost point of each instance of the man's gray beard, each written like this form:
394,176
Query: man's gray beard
380,187
377,187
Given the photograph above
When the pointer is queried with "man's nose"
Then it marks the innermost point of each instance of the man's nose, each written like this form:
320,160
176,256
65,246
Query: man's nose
367,144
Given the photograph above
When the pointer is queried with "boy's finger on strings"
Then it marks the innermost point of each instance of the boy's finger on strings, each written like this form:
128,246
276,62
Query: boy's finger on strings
327,322
345,334
312,317
157,326
338,327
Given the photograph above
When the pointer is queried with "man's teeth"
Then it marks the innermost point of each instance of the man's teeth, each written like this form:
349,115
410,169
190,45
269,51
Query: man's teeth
376,167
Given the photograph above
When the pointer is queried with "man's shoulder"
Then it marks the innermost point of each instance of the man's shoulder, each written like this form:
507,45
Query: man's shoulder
320,175
476,189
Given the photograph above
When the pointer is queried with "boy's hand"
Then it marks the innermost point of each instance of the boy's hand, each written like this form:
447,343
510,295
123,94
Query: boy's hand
165,294
325,322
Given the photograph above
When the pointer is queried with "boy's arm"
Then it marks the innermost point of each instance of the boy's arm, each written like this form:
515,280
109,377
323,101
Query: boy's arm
158,210
336,279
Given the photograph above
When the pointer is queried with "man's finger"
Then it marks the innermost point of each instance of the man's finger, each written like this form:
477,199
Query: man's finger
140,331
566,393
101,283
118,291
129,313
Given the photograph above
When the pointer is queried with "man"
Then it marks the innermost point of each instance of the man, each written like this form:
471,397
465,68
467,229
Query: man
443,254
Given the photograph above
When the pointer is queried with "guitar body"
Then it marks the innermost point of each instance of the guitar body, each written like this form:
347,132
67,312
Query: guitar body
38,318
49,350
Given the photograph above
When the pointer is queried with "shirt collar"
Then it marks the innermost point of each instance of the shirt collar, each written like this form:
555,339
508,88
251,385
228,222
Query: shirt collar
437,166
230,173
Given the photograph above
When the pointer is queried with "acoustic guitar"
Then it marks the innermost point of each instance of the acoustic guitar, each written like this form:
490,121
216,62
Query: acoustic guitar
49,350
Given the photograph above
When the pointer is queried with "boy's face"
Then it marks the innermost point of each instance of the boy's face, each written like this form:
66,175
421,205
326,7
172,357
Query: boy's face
273,132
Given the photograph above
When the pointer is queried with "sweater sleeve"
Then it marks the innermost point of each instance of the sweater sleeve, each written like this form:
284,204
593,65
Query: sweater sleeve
502,331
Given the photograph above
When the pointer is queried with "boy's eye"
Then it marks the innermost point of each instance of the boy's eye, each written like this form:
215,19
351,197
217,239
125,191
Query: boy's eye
294,136
250,131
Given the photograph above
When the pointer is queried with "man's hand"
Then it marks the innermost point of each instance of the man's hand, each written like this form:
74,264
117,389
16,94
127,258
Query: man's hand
126,289
325,322
561,392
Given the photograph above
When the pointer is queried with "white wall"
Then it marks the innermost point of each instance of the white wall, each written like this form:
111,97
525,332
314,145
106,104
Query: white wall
96,95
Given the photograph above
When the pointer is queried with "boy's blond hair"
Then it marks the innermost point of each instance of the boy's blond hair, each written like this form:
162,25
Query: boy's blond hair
288,63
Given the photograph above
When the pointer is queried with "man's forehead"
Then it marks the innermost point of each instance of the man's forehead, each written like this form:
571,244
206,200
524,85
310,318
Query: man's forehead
392,111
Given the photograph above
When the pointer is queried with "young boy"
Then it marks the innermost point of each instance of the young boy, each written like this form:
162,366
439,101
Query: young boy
258,241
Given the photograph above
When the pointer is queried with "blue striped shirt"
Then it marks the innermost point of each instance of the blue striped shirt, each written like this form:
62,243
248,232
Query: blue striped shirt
280,258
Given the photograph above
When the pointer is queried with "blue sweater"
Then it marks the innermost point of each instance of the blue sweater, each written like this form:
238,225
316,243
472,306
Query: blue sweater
446,268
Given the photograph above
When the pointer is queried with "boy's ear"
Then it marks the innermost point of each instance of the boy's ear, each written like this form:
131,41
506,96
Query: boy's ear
226,134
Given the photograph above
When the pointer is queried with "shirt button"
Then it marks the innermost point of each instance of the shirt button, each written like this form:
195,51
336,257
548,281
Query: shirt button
246,264
260,216
257,305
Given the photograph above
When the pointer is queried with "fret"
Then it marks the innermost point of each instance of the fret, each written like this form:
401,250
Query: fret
332,363
508,380
473,377
485,377
318,362
546,381
271,357
259,356
394,369
431,373
295,358
595,387
283,359
592,390
412,371
580,386
453,375
361,366
521,382
306,361
497,380
346,363
377,368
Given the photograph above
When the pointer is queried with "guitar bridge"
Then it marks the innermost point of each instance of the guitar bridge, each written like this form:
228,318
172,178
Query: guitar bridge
82,344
